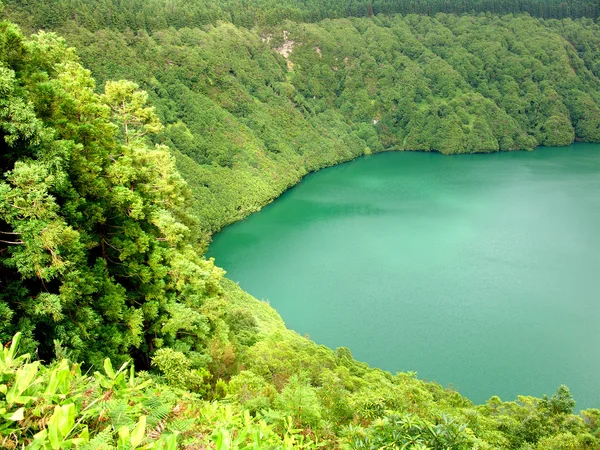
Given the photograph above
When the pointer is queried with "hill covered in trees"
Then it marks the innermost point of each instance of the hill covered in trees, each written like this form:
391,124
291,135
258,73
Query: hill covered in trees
153,15
264,106
111,189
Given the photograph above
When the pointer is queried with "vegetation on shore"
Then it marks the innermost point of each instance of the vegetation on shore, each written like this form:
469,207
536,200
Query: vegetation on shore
247,112
109,191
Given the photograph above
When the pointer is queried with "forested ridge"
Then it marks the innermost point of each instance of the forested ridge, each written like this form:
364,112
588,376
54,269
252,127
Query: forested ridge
111,189
153,15
264,106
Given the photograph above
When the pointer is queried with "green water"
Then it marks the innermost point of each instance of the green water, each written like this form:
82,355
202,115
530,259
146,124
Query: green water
477,271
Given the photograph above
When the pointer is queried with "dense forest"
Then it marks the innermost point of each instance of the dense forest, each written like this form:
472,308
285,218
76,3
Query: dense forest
120,159
264,106
153,15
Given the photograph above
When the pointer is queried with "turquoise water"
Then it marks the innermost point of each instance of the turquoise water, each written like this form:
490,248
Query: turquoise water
480,272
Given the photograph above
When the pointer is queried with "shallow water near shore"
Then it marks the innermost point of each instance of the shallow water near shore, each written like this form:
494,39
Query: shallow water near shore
480,272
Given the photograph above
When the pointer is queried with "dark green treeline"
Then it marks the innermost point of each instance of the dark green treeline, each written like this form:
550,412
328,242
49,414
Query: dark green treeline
154,15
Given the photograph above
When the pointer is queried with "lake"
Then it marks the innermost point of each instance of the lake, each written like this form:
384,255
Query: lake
480,272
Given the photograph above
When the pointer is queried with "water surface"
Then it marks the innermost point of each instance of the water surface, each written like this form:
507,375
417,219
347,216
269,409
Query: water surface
477,271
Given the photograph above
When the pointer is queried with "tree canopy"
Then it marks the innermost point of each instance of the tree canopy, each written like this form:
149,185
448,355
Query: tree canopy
110,190
154,15
97,251
247,113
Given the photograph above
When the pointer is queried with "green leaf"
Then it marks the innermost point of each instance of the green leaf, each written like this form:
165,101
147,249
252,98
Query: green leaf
85,434
39,440
138,433
53,429
223,440
168,442
60,379
123,441
17,415
60,424
14,347
23,380
108,368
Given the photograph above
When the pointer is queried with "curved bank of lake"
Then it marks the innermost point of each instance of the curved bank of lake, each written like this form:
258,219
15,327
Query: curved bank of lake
476,271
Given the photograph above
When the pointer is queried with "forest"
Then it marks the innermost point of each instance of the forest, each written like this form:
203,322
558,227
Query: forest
267,105
154,15
131,133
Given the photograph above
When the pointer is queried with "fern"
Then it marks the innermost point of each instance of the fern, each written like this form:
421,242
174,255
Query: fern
120,413
180,425
157,410
102,441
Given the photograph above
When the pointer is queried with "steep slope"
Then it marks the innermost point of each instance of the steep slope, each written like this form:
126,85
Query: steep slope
249,112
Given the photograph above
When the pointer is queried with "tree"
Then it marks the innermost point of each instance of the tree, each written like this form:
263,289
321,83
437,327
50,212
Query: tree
96,253
129,108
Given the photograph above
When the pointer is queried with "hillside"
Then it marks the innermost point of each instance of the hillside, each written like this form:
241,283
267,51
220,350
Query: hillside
110,190
153,15
265,106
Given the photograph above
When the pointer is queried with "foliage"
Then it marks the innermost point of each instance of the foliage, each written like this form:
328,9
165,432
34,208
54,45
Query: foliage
407,431
108,194
245,118
58,407
96,248
178,372
128,106
155,14
342,400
